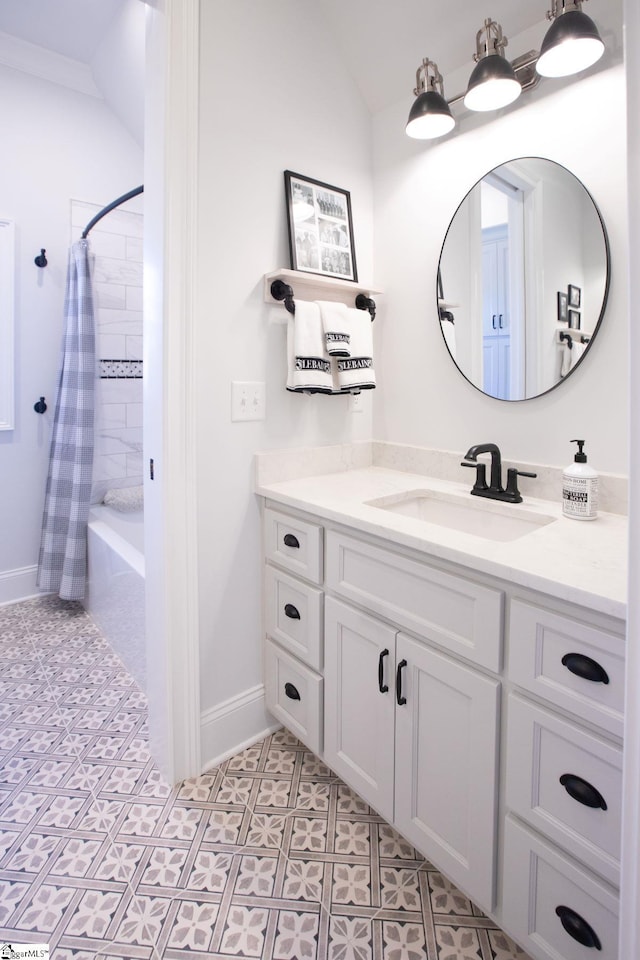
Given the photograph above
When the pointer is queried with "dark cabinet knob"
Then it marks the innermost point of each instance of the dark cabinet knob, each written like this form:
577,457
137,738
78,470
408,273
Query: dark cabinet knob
382,686
291,691
578,928
585,667
400,700
291,541
582,791
292,612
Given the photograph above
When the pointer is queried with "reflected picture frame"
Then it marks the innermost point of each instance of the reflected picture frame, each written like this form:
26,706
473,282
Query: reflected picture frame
320,227
563,306
575,296
574,319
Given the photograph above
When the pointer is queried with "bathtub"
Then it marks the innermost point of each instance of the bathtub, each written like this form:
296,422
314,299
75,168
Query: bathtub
114,597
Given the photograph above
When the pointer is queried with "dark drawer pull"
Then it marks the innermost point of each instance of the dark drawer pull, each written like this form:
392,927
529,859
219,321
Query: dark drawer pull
292,612
585,667
578,928
291,541
582,791
382,686
291,691
400,700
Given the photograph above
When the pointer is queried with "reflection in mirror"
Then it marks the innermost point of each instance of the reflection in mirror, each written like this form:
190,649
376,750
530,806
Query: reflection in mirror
522,236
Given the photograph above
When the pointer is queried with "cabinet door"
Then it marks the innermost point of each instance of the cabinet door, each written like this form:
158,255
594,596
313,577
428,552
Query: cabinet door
446,765
359,712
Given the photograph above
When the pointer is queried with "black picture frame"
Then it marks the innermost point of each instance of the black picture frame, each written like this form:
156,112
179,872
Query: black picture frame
563,305
574,319
575,296
320,227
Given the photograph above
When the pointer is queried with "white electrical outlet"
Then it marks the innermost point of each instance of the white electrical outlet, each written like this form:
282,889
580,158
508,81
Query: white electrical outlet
356,403
248,400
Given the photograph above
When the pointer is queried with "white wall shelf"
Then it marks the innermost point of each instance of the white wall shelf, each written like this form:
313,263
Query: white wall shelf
315,286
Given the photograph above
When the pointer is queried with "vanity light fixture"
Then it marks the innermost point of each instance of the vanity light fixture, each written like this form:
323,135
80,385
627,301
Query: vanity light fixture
572,43
493,83
430,115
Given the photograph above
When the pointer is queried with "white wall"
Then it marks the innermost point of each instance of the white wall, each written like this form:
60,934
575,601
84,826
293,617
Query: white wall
424,400
118,67
275,95
57,144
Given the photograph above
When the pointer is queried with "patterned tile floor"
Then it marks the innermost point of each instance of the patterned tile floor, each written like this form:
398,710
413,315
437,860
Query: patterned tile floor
269,855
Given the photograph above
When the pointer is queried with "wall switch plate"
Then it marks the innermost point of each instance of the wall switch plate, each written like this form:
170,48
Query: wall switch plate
248,400
356,403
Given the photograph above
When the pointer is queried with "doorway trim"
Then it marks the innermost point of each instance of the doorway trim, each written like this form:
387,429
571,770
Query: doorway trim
171,226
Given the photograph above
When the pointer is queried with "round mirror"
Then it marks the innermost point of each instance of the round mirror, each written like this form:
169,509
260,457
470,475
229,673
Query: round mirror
523,279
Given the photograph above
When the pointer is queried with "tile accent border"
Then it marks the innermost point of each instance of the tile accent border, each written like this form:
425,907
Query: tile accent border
120,369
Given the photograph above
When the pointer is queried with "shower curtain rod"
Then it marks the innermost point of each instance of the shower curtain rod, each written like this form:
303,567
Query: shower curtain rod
116,203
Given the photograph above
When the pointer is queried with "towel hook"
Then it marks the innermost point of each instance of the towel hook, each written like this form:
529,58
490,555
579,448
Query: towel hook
568,338
41,260
282,291
366,303
40,405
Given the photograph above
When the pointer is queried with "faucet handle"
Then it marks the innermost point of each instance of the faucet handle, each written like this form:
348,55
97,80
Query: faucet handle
481,475
512,483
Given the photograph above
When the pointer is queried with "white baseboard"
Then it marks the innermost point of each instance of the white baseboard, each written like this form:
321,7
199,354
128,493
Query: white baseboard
18,584
232,726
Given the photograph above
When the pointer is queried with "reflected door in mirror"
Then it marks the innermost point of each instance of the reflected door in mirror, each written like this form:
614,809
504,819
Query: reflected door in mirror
527,231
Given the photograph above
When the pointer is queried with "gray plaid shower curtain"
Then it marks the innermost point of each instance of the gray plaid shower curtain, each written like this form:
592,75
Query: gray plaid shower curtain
62,564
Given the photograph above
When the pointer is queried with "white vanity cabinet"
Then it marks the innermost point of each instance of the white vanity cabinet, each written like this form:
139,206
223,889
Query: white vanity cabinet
482,720
415,733
564,779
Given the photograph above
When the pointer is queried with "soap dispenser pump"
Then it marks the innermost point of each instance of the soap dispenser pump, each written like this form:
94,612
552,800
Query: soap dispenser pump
580,488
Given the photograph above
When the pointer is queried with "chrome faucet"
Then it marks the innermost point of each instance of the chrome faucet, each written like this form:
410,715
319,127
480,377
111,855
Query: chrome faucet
495,490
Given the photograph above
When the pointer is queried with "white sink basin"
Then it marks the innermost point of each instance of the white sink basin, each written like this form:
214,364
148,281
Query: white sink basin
481,517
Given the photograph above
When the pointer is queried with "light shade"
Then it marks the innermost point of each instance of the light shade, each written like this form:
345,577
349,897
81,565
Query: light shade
493,84
430,117
572,44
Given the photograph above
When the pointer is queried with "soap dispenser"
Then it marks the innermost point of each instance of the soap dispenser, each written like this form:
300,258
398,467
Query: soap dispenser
580,488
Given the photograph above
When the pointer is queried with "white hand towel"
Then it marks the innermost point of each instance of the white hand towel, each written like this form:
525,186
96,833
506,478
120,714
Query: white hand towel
356,371
570,356
449,334
309,367
334,324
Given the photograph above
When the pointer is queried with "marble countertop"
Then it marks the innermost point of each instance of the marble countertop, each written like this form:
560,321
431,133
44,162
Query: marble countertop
580,562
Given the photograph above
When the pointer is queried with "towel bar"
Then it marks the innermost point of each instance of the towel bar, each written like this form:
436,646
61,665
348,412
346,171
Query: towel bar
584,338
284,292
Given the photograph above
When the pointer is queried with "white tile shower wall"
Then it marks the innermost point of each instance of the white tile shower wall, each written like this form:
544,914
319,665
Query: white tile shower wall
116,244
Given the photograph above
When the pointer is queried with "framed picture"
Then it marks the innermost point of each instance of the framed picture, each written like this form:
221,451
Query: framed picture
574,319
575,296
563,303
320,227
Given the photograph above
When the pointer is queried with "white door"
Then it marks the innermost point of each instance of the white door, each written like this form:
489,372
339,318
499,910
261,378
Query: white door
446,765
359,703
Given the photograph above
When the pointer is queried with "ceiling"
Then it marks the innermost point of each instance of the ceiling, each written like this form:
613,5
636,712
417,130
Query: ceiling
73,28
382,41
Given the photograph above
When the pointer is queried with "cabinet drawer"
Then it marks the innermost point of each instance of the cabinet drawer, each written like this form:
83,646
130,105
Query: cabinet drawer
460,615
293,694
542,750
293,544
538,881
293,612
546,648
